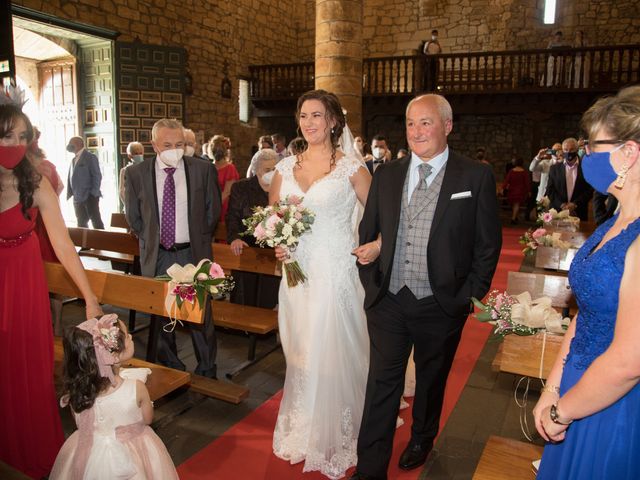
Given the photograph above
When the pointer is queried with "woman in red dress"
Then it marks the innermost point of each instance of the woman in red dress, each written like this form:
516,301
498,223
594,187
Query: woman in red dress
518,187
227,172
31,432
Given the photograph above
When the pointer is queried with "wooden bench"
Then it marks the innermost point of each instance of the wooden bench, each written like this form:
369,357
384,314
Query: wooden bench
119,220
555,287
144,295
506,459
558,259
252,320
109,245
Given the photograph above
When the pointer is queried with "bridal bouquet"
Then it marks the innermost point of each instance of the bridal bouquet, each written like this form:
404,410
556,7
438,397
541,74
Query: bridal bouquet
194,282
540,238
519,314
282,225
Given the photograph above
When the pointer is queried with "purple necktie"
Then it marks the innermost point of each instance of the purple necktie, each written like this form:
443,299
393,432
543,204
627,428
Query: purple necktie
168,223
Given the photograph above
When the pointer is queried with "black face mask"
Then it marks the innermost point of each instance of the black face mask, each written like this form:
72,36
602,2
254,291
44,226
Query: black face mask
571,156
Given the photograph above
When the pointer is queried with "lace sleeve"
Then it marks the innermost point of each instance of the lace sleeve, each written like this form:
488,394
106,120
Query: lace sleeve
348,166
285,166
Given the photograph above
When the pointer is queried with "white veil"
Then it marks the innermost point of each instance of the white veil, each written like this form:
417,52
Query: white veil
346,142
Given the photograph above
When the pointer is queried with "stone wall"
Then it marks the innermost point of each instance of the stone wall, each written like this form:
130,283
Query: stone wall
241,33
398,27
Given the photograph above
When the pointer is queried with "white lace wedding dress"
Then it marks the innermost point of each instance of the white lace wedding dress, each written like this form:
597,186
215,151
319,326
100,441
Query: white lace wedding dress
323,331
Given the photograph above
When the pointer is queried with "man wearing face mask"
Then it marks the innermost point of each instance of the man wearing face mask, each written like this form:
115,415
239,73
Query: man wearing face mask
135,154
567,188
251,288
190,143
83,184
173,204
379,151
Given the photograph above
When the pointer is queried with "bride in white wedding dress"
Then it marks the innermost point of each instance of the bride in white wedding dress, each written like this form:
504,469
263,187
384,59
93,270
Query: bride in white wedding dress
322,321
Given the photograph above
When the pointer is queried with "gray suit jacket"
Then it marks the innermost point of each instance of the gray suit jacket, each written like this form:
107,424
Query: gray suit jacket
84,179
141,207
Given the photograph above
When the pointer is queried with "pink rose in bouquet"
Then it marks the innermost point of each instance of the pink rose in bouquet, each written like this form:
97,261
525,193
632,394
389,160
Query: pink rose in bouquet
216,271
540,232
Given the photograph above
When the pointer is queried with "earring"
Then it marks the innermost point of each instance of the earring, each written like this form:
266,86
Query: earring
332,131
622,177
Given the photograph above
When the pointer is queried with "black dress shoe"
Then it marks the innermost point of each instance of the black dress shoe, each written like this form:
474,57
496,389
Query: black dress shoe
359,476
414,455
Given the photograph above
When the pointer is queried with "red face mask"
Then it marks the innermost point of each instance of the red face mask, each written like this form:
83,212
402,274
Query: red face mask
11,156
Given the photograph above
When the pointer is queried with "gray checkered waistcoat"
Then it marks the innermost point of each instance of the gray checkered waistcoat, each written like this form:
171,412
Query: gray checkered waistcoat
410,260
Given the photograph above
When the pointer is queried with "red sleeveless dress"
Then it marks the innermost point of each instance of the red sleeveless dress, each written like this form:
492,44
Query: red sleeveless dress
30,428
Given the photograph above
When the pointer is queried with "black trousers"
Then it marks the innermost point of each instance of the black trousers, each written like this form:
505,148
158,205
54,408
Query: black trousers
203,337
89,209
395,324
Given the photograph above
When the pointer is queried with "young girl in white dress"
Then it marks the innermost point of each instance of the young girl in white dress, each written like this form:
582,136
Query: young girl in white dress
322,322
113,439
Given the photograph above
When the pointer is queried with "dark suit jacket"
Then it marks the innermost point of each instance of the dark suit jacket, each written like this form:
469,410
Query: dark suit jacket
84,179
141,208
557,190
245,195
465,238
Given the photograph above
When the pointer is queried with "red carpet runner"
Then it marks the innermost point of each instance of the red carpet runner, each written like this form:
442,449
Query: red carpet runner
244,451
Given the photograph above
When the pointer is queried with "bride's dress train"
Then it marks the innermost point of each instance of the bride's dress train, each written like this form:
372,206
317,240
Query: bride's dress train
323,331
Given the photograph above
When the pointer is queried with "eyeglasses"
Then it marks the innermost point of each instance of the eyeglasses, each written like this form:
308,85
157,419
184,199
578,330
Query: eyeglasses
588,145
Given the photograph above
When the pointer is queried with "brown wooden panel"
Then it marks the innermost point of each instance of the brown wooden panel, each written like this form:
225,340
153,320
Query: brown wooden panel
506,459
549,258
127,291
257,260
110,240
522,355
118,220
555,287
243,317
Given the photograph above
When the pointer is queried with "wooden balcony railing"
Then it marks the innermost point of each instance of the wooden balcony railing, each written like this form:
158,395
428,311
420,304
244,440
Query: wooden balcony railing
605,68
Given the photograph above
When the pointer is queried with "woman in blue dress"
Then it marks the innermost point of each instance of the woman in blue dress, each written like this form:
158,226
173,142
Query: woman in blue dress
589,410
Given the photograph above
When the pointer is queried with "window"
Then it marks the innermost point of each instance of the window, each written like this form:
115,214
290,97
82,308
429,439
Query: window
243,100
549,12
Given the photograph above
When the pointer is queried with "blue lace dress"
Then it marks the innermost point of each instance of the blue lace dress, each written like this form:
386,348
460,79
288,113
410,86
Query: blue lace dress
605,445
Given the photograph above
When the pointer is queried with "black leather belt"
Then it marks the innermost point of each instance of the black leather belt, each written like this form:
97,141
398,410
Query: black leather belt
176,247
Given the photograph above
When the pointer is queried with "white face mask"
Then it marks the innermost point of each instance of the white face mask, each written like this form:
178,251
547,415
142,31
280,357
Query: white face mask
137,158
434,38
377,152
171,157
189,151
267,177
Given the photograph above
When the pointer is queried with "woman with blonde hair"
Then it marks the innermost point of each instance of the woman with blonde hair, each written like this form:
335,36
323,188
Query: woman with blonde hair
589,410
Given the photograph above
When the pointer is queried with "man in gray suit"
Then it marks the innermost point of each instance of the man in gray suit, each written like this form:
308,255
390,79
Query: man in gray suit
83,184
437,216
173,204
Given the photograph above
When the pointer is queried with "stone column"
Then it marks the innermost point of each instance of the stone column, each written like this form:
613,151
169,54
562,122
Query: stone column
339,55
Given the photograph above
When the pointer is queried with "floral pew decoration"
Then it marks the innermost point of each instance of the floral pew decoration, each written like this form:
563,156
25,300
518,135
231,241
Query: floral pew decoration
281,225
191,283
519,314
562,219
532,239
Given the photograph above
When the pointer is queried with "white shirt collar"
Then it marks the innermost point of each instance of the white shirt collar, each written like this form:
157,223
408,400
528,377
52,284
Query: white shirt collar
436,162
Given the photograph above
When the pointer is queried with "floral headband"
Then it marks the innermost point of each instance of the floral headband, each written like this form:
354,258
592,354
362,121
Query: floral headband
105,333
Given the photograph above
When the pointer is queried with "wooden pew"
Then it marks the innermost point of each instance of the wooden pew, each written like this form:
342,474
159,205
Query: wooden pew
255,260
521,355
549,258
506,459
220,235
145,295
110,245
252,320
118,220
555,287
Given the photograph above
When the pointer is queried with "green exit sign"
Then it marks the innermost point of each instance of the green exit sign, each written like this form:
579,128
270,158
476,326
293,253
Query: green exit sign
4,66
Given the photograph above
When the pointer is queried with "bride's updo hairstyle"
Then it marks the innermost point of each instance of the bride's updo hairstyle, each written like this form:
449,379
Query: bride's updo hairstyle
333,114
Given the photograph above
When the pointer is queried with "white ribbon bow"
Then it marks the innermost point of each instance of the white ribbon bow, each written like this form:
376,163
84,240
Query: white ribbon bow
537,314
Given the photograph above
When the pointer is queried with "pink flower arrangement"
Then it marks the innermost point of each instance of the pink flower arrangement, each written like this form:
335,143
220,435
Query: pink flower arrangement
540,232
216,271
547,217
185,292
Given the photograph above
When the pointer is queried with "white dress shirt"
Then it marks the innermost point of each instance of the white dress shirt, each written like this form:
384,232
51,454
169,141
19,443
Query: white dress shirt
541,166
436,163
182,196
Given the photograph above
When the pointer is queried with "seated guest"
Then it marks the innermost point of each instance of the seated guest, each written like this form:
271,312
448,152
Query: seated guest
589,409
251,288
297,146
135,154
567,188
264,142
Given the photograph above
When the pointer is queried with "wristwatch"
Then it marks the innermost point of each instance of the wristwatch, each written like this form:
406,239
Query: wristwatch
555,418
